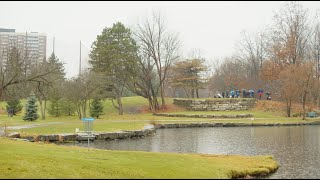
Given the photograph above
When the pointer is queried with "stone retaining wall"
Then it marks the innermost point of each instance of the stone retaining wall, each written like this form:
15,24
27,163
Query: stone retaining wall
84,137
205,115
224,104
190,125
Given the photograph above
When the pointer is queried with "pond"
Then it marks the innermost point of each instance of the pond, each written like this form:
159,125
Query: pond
295,148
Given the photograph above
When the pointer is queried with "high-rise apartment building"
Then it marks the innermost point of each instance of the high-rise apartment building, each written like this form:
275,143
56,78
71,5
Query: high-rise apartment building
30,44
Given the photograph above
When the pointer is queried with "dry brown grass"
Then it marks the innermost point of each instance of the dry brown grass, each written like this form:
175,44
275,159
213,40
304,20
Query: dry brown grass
276,106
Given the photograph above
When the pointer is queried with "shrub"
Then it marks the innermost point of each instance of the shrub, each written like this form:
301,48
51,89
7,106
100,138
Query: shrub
96,108
14,104
55,107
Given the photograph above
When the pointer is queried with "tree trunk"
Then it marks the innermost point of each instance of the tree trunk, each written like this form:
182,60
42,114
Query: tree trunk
304,98
155,103
192,93
155,100
84,108
289,108
151,105
44,109
162,95
41,108
79,110
120,110
197,91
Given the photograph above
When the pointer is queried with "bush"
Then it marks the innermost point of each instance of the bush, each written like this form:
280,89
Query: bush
55,107
96,108
14,104
68,107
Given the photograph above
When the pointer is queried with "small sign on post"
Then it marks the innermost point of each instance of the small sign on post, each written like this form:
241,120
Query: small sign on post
88,127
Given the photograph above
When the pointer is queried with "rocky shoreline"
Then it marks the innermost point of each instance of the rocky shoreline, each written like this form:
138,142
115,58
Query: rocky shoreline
204,115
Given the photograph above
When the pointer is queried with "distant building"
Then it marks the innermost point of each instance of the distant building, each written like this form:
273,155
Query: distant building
31,44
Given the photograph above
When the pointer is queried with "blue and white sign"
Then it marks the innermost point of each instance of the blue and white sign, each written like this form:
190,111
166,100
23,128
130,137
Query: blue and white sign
87,119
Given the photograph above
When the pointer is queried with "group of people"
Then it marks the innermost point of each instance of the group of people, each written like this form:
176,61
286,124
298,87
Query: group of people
245,94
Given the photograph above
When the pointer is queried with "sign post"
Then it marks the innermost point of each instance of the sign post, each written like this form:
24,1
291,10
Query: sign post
88,126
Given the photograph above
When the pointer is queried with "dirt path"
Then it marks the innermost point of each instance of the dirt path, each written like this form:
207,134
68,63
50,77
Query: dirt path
26,126
31,125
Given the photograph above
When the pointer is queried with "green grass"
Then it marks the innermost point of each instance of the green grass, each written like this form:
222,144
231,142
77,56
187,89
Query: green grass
69,127
39,160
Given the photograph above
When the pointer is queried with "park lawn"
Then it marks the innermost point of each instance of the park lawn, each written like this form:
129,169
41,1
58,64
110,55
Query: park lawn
39,160
69,127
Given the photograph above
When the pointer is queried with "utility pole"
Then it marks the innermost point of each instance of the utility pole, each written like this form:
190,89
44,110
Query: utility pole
53,46
80,60
26,56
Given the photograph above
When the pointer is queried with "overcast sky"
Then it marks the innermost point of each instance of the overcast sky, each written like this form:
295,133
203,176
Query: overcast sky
212,27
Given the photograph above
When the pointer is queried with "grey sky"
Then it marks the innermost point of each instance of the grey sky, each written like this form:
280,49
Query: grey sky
212,27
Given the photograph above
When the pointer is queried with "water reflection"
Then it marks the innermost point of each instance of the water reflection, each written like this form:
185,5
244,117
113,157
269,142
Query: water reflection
296,148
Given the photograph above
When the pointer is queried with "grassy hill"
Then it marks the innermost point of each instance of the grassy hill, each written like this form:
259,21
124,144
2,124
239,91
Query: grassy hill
39,160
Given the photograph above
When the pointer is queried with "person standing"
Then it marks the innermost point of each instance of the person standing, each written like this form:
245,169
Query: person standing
222,94
232,93
244,93
260,91
251,92
237,93
227,94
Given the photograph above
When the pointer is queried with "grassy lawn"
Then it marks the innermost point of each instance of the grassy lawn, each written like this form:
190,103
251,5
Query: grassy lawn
69,127
39,160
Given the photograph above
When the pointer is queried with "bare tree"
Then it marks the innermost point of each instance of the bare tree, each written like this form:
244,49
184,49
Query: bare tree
145,84
159,45
291,34
252,52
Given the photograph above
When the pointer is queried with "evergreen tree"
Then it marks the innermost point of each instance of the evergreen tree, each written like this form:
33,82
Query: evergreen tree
15,105
31,109
96,108
55,107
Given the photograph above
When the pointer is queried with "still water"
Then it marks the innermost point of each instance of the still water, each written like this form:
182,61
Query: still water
295,148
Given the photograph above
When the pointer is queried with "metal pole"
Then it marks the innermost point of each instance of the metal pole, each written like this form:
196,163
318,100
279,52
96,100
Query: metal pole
88,134
80,60
53,45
